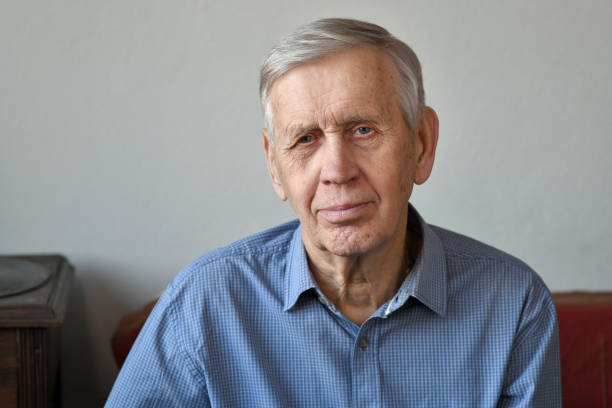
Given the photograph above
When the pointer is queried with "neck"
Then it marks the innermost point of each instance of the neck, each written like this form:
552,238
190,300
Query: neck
359,285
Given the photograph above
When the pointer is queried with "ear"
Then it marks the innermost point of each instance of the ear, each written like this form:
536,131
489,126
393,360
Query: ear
271,160
426,142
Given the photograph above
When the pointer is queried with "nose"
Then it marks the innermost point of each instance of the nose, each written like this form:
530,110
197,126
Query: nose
338,162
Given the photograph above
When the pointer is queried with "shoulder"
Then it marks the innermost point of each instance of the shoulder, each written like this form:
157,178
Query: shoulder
489,268
461,246
254,258
269,240
458,247
227,284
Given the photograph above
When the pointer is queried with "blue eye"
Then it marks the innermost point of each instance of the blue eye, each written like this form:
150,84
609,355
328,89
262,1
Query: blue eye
364,130
305,139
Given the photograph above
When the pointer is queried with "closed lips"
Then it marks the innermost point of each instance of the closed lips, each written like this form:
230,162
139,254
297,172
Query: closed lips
342,211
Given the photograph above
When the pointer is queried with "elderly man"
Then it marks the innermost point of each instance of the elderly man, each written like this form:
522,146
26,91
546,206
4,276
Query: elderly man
360,303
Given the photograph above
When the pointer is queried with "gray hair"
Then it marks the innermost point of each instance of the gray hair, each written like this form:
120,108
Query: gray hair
327,36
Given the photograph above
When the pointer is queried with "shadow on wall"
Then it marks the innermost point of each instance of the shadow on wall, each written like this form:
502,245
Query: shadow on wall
88,368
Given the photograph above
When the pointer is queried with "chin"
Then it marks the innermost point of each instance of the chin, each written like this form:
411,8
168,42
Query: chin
350,241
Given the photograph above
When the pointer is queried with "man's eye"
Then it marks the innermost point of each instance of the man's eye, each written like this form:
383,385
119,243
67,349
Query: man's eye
305,139
364,130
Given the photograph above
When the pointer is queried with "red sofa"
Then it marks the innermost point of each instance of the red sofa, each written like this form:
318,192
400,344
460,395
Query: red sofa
585,330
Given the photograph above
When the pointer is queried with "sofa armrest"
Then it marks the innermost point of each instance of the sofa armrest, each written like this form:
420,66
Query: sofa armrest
127,330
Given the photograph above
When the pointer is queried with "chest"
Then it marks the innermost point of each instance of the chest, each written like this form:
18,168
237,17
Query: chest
312,357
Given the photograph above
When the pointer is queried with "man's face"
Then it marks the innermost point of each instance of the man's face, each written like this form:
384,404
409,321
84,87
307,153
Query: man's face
343,155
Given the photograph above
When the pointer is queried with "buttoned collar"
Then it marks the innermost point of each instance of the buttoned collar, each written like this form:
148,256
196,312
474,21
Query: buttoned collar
425,282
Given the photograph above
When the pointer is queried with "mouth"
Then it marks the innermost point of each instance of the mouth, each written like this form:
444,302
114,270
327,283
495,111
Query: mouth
343,212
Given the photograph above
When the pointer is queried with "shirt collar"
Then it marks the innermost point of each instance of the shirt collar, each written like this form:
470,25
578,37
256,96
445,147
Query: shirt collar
425,282
297,274
427,279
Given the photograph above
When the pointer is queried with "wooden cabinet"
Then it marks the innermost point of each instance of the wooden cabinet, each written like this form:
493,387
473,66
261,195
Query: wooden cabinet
30,330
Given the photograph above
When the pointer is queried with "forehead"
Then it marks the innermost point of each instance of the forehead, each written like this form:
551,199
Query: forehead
355,82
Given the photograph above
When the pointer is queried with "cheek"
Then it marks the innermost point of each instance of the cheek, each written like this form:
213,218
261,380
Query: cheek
405,167
300,188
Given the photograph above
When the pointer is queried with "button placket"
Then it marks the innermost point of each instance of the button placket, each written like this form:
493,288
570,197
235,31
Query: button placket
363,342
366,370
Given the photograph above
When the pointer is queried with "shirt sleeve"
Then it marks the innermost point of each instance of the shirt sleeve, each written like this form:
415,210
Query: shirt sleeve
158,372
533,373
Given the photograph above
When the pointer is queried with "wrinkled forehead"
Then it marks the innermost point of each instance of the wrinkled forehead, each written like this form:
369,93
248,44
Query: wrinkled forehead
354,82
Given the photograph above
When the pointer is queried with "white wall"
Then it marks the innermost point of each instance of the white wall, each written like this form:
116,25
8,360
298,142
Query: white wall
130,139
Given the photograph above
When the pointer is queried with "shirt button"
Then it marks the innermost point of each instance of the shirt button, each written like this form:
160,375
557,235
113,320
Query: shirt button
362,342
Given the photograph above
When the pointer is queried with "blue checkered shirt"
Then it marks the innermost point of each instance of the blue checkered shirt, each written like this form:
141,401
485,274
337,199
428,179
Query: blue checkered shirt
246,326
